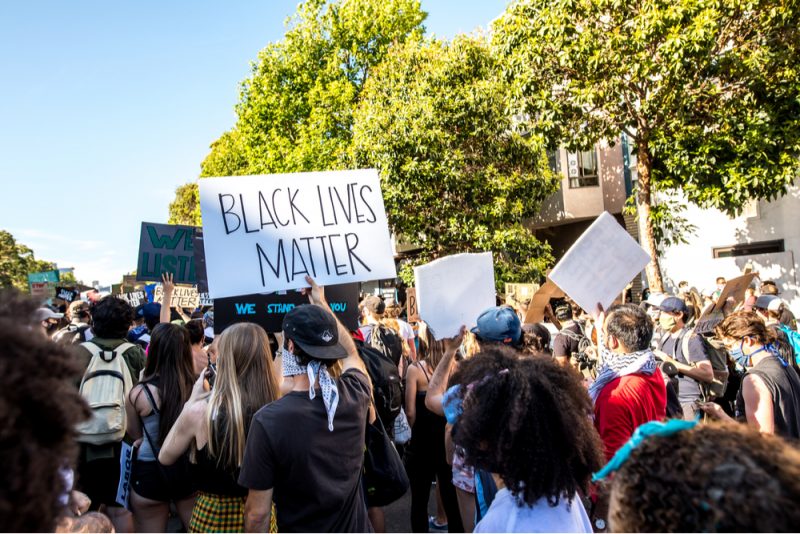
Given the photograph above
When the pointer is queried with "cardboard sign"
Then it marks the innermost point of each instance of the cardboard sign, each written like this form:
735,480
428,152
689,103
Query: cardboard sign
268,311
540,300
272,231
200,261
454,290
66,294
598,267
134,298
166,248
182,297
412,309
205,299
734,291
45,276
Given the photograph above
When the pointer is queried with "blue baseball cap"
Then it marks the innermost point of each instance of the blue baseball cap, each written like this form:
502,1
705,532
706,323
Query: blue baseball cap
673,304
151,310
499,323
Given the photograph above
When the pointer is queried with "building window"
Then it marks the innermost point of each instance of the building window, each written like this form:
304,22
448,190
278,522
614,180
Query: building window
748,249
583,169
554,161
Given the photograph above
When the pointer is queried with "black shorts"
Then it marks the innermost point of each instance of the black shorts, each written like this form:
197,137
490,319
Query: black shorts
98,473
163,483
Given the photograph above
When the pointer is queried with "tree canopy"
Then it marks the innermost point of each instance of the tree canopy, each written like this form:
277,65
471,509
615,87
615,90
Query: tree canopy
456,175
296,109
707,90
16,261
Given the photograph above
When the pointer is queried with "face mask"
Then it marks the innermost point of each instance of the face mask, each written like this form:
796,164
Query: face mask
667,322
740,357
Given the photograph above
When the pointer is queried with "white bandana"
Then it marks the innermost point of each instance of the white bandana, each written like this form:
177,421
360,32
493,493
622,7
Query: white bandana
614,366
315,368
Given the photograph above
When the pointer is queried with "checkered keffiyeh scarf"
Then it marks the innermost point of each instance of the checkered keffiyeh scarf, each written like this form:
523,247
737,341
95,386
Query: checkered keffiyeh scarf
617,365
315,368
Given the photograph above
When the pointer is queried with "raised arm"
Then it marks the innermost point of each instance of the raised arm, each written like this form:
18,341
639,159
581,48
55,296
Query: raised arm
438,383
316,295
166,304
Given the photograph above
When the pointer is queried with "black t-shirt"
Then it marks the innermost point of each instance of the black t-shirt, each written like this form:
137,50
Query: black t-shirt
567,341
316,473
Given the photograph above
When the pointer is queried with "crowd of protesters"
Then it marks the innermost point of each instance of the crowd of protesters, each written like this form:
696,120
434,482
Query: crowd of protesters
639,417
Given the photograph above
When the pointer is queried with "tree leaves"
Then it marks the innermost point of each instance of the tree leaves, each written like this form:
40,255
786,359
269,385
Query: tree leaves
456,175
16,261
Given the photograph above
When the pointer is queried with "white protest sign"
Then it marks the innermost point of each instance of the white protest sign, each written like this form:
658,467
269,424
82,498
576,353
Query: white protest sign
266,233
453,291
182,297
600,264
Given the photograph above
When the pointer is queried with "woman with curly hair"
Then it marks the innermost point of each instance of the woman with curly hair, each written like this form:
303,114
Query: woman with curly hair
769,398
215,424
40,409
714,478
527,421
153,407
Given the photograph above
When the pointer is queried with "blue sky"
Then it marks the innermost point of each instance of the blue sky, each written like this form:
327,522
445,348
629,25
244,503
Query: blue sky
106,107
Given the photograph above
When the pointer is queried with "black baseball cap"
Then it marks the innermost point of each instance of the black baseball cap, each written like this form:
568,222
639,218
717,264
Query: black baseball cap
315,330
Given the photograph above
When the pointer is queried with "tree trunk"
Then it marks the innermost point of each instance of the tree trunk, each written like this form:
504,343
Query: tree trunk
644,198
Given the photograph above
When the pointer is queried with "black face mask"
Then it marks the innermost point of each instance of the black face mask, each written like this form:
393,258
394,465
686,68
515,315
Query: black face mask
52,327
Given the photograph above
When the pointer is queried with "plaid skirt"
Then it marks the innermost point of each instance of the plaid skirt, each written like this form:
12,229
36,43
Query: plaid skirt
219,513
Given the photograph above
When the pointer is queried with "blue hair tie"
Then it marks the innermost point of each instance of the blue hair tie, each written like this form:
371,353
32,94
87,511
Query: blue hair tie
653,428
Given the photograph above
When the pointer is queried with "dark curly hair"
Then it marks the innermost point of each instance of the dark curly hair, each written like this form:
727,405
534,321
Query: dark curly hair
528,420
714,478
39,408
111,318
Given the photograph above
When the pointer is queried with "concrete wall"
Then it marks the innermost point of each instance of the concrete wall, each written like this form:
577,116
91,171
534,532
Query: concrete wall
583,203
765,221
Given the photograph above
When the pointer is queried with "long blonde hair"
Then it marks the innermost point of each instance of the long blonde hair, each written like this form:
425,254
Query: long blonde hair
245,382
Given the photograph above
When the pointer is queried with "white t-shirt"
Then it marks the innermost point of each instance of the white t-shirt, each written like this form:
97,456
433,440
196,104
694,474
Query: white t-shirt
406,330
505,515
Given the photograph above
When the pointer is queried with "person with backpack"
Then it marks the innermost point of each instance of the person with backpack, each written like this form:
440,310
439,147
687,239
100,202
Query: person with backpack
769,398
112,367
79,329
375,333
425,454
153,407
787,341
571,340
687,351
305,451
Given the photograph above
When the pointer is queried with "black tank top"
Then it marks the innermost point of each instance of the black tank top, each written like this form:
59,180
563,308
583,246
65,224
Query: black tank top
216,479
427,434
783,383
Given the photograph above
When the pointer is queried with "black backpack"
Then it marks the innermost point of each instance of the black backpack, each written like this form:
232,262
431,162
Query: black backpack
387,341
386,383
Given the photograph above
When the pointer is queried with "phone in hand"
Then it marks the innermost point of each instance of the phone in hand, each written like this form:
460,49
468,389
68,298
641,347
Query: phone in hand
211,371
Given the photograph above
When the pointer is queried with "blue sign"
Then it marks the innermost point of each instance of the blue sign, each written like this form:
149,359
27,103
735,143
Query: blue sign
268,310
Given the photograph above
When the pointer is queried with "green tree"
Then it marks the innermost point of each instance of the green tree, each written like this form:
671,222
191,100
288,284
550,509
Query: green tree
707,90
16,261
296,109
456,175
185,209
